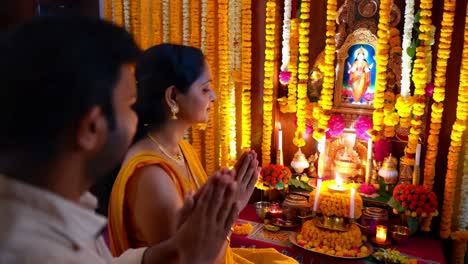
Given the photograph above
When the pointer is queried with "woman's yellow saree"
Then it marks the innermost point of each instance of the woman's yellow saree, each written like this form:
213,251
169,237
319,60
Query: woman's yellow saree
118,236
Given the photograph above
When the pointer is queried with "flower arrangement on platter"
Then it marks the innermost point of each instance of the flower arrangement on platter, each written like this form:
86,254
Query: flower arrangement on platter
273,176
332,203
335,243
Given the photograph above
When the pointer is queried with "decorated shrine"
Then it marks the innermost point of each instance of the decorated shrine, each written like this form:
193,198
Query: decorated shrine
357,108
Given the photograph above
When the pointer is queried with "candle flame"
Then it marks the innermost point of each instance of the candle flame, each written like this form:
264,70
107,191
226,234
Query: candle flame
279,126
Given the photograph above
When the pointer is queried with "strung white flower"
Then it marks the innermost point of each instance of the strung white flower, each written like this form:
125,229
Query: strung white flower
126,14
185,22
286,35
406,60
203,26
165,20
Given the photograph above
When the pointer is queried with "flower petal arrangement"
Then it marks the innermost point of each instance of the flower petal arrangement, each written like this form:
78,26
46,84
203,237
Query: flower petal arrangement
273,176
414,200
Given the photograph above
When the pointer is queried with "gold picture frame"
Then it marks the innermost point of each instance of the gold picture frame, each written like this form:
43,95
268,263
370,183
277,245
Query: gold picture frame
356,73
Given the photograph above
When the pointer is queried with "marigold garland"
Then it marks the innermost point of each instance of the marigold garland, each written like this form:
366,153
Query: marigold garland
145,25
391,117
268,81
292,68
194,41
246,72
382,52
419,76
463,204
303,73
175,21
456,141
322,112
156,22
117,9
443,54
461,239
107,6
210,54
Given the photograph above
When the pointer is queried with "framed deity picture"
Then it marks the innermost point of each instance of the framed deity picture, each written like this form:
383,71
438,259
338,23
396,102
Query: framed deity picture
356,71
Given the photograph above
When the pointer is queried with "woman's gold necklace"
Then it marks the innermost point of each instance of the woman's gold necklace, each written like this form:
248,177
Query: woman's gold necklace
179,158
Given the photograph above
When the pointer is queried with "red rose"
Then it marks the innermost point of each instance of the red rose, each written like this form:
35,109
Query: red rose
419,211
403,204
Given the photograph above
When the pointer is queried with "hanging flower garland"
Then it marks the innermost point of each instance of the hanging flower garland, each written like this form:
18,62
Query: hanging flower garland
107,6
175,22
463,210
145,25
203,25
246,72
268,81
128,15
156,21
185,22
224,102
419,77
117,12
210,54
235,76
303,73
133,17
443,53
381,71
456,141
460,239
322,113
292,68
406,60
194,41
391,117
285,75
165,20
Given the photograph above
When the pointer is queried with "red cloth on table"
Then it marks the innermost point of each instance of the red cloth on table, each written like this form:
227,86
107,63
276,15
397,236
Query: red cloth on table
423,248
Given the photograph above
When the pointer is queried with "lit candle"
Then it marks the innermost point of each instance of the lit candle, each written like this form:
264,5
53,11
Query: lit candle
351,210
323,143
280,137
317,194
338,181
381,235
369,149
418,154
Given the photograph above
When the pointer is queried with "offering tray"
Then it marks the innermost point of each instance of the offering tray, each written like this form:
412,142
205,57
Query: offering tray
370,249
331,223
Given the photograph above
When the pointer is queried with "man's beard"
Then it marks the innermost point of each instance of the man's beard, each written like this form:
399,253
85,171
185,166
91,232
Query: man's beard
110,157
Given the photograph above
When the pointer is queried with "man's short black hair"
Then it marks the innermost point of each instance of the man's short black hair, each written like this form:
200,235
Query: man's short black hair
53,69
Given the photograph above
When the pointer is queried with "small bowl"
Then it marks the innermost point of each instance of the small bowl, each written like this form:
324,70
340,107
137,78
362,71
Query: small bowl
399,233
261,209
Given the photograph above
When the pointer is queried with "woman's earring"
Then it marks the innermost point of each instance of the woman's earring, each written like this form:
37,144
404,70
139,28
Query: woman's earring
174,111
